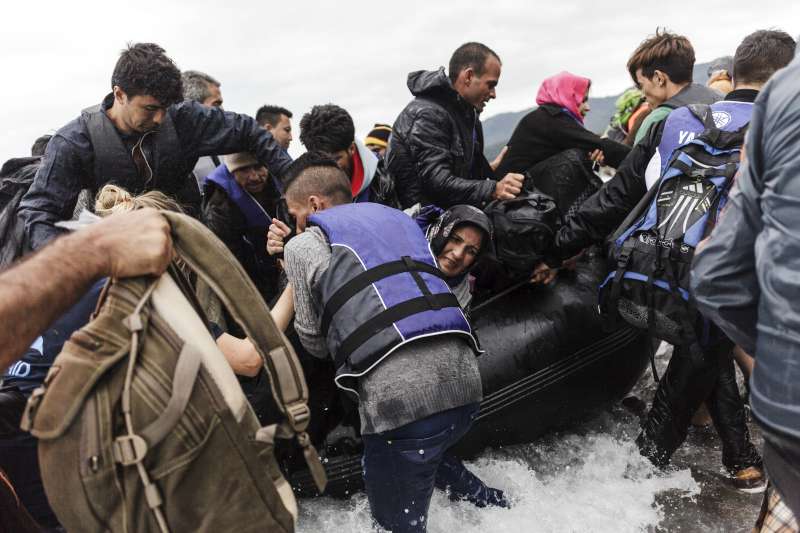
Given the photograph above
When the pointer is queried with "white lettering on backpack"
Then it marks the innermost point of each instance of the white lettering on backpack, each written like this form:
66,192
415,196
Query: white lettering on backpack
20,369
685,136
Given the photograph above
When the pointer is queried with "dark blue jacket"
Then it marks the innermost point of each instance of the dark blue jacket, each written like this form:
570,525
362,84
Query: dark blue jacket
69,163
29,372
746,277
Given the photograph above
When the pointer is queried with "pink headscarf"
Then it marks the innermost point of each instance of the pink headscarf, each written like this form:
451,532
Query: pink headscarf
564,90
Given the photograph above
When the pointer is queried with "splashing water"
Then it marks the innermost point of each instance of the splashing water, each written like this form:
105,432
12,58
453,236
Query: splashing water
594,480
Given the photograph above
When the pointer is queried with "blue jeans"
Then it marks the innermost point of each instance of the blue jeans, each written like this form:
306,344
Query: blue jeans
402,466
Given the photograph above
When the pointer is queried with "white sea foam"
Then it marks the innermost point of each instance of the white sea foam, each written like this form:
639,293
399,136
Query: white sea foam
589,481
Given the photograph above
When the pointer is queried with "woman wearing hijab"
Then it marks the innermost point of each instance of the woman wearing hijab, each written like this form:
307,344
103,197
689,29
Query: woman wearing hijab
557,125
458,238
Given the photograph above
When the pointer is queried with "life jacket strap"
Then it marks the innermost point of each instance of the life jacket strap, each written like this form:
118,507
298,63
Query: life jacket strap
391,315
368,277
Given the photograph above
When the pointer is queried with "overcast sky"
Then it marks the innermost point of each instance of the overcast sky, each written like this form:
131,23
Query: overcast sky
57,57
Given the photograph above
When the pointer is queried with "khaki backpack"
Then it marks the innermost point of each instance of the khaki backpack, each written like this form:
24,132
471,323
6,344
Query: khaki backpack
142,425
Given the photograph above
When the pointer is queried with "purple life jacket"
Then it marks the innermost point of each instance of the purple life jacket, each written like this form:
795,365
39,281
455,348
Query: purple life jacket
382,288
255,215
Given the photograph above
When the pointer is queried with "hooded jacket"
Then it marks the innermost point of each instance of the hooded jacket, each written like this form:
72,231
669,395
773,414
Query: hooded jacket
435,153
374,184
745,277
555,126
189,130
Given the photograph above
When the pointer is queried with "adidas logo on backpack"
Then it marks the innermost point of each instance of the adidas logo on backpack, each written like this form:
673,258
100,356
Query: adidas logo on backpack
651,252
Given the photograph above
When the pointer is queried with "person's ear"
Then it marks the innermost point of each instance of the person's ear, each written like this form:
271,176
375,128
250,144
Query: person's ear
313,203
352,149
119,95
469,74
661,78
268,127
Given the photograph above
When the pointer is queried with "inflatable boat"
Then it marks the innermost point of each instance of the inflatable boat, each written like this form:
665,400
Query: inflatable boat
547,362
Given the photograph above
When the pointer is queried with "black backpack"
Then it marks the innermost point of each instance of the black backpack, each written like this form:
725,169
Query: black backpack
652,251
16,177
525,229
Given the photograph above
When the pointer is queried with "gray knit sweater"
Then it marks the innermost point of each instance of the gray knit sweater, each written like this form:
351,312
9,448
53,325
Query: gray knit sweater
419,379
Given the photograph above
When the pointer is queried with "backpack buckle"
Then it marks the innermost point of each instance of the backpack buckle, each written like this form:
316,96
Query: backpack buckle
298,415
31,407
624,257
129,449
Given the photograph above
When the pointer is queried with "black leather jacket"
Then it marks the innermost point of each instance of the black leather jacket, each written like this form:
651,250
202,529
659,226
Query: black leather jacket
435,153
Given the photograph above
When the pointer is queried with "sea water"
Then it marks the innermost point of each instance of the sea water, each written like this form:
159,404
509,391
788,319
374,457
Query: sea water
590,478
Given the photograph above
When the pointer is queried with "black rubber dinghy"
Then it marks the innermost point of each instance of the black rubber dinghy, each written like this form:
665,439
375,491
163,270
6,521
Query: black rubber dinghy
548,362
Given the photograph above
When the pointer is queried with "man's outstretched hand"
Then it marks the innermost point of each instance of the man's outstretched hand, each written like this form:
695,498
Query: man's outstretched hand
129,244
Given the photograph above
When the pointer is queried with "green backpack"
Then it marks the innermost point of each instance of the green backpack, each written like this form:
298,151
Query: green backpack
142,425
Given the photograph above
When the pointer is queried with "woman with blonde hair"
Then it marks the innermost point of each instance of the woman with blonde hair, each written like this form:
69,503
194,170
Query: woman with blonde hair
240,353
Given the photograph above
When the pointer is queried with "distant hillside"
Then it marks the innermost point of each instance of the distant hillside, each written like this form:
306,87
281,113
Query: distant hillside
498,129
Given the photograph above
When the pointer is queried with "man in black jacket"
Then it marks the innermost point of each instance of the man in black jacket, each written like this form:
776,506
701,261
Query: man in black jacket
142,137
689,380
435,153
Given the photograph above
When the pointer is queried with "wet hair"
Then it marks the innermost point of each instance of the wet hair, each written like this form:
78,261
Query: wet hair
40,145
315,173
112,199
327,128
761,54
145,69
470,55
668,52
195,85
271,114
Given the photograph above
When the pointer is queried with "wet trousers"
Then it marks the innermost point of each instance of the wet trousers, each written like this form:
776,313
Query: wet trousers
694,376
402,466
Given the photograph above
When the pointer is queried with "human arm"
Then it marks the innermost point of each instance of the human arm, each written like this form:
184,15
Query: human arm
602,213
54,192
212,131
307,257
567,134
430,143
240,353
36,291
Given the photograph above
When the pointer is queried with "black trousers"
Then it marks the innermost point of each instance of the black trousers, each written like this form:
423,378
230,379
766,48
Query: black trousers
19,459
694,376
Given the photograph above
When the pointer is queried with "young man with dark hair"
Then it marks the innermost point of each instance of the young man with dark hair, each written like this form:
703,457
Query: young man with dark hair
691,378
276,120
435,154
414,374
143,136
329,128
662,68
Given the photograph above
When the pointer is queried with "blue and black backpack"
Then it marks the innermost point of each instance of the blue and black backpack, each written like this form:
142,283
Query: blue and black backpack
651,252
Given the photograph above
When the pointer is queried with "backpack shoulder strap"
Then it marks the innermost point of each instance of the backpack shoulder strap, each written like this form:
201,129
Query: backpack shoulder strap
210,259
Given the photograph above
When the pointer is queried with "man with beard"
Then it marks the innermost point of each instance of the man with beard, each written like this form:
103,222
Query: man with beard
143,136
330,129
435,153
